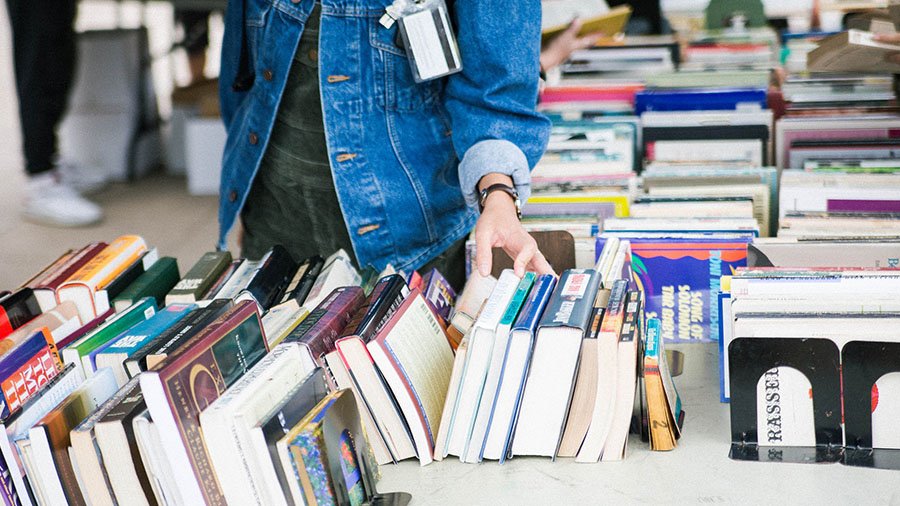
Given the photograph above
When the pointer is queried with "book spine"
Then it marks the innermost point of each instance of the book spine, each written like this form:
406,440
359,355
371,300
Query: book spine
18,387
533,309
77,261
312,466
17,310
512,310
301,292
615,308
112,260
572,301
202,275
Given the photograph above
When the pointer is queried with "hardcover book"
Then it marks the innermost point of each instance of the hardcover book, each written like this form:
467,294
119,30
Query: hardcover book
304,279
131,274
46,284
199,278
25,369
85,286
17,310
554,364
49,440
16,426
271,280
413,354
78,352
116,352
189,381
154,282
318,332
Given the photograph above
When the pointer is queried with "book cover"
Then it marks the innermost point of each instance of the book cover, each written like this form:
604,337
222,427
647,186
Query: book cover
439,293
161,345
155,282
85,286
45,286
114,353
272,278
200,277
515,369
282,419
681,280
25,369
50,437
110,428
17,310
304,279
118,285
318,332
387,295
121,322
413,354
189,381
17,425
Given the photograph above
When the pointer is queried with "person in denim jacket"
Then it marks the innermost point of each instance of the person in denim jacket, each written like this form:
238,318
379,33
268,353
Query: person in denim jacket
331,142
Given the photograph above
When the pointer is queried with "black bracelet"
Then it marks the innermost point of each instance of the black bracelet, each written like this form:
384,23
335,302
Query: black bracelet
509,190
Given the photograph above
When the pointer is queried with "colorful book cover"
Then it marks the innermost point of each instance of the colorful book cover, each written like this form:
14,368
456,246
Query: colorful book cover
25,370
439,293
201,372
134,338
310,446
325,324
138,312
681,280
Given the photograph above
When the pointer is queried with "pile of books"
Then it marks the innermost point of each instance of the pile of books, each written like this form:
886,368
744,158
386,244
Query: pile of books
283,382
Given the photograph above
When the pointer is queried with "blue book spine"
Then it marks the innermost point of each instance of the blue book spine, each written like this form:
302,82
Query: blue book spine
573,300
528,320
696,100
534,306
132,339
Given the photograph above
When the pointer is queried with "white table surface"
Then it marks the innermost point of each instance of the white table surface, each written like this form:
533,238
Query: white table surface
697,472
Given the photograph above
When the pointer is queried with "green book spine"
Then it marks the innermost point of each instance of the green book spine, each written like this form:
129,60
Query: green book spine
200,277
139,312
512,310
156,283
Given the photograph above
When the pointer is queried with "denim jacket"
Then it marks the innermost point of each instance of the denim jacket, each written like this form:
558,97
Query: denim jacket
405,157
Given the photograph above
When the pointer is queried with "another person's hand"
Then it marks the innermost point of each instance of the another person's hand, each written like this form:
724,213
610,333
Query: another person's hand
563,45
890,38
499,227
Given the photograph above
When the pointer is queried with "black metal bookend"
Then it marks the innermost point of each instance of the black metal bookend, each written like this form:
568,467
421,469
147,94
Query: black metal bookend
864,362
819,361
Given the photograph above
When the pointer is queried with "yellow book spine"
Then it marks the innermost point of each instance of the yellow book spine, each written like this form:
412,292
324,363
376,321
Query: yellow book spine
110,262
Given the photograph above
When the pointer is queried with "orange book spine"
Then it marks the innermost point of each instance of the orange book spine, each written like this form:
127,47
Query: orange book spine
121,253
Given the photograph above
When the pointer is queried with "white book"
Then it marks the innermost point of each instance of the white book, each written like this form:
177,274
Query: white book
495,368
59,388
338,271
153,457
481,340
227,421
92,393
238,280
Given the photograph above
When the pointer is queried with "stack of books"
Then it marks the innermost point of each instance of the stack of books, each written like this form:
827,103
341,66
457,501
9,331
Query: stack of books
732,49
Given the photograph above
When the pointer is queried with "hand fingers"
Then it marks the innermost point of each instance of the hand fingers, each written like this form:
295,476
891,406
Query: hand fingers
574,27
588,41
887,37
540,265
523,258
483,255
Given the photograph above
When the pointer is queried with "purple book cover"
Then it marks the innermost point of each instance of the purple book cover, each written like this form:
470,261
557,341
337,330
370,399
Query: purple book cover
439,293
681,277
863,206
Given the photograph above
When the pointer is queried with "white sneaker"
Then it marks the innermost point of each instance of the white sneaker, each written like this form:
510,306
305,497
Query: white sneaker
80,179
50,202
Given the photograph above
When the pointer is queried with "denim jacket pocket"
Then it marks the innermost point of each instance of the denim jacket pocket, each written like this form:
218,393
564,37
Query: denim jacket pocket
394,83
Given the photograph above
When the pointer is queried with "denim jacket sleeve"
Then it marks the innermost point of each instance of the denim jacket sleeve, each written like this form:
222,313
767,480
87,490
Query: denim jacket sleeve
492,102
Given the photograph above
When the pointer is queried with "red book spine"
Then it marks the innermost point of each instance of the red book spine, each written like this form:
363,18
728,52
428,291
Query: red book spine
29,379
6,327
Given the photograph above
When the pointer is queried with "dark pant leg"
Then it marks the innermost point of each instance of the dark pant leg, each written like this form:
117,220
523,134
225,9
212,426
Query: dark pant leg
44,63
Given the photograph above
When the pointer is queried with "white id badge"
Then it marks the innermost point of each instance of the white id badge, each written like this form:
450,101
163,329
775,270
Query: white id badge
427,37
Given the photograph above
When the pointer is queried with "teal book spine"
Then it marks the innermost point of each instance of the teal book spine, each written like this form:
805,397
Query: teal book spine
512,310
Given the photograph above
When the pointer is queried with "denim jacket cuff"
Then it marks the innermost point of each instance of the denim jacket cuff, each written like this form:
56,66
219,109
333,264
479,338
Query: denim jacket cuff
493,156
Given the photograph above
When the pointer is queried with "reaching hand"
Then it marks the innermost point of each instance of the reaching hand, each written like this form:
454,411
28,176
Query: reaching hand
499,227
890,38
563,45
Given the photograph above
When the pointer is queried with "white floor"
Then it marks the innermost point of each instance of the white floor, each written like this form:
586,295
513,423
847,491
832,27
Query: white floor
698,472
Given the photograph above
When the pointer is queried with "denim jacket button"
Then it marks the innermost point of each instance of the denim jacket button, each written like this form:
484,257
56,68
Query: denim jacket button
232,196
268,75
313,55
253,138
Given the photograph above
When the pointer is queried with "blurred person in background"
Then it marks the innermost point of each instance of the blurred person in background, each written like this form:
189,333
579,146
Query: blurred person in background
43,39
